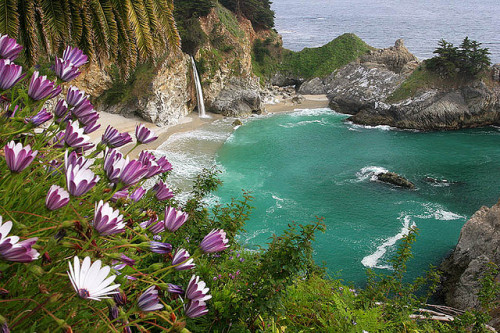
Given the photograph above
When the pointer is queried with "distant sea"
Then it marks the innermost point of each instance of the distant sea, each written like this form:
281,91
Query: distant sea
421,23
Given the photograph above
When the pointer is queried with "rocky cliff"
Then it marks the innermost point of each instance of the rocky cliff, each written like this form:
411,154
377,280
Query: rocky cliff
225,66
479,244
364,89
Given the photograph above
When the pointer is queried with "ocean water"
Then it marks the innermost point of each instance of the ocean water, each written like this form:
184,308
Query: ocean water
312,163
422,23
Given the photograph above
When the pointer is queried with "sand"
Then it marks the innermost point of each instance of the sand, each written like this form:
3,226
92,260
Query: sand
188,123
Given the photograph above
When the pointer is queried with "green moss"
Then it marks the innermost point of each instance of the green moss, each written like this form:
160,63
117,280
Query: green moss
209,62
322,61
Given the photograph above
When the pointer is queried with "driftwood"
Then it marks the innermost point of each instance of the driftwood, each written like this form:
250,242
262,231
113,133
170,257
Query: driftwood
443,313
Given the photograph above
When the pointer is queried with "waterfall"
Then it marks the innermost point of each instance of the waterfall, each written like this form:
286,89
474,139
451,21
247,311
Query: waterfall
199,91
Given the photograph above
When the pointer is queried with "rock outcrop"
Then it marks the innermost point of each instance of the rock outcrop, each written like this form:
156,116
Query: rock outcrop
395,179
239,98
479,244
169,96
229,85
314,86
362,89
473,105
365,84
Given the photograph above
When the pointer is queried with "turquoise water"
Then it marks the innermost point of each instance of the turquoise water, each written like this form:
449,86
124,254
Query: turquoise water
312,163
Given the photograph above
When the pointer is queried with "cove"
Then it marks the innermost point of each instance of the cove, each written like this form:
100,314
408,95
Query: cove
312,163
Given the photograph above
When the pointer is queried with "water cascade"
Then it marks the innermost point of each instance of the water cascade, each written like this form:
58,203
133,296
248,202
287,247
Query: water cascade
199,91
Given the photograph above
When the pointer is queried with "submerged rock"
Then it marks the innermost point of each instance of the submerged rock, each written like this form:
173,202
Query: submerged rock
479,244
395,179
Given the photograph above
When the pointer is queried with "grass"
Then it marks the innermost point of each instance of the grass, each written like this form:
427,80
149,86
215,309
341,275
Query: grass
322,61
229,20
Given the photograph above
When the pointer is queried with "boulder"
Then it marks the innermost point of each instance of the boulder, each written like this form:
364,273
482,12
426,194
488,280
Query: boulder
395,179
238,98
314,86
479,244
298,99
283,80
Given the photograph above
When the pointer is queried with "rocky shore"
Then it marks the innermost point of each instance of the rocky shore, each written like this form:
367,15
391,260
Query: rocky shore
363,88
478,245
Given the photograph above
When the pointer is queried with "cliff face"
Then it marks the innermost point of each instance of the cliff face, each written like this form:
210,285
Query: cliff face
369,81
228,82
479,244
225,65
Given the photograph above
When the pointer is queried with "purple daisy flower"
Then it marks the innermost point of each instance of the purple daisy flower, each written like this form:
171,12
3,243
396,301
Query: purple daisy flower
120,298
91,281
181,260
65,70
61,109
137,194
149,300
75,97
107,221
113,139
13,250
114,163
74,56
79,178
74,136
162,191
144,135
175,289
10,74
215,241
161,248
57,197
133,172
121,194
18,157
92,126
40,87
9,49
40,118
174,219
197,290
195,309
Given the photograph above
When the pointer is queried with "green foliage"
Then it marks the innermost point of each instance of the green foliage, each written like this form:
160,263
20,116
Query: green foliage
267,55
257,11
123,31
466,61
421,79
138,85
187,14
322,61
230,22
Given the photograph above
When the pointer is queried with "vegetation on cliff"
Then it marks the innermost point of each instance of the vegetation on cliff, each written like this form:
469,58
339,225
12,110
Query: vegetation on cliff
310,62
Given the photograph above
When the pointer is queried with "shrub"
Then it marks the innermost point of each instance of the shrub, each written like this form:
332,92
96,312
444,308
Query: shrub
467,61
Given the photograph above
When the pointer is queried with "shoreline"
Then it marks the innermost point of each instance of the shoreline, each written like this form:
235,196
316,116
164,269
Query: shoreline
188,123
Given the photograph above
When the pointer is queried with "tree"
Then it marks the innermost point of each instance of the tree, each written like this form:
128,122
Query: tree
468,60
125,31
257,11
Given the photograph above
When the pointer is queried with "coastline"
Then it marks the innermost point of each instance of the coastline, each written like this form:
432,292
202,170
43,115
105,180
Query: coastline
189,123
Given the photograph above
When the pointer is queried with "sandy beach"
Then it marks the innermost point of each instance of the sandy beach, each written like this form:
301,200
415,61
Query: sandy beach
188,123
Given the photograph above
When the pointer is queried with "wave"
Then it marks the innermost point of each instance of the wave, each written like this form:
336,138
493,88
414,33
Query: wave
315,112
370,172
322,122
372,260
438,212
354,126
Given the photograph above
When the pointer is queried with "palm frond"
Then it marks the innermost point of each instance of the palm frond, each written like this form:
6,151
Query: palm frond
28,31
140,25
9,18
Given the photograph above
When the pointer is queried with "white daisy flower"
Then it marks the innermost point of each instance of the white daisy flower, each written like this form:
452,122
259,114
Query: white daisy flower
91,281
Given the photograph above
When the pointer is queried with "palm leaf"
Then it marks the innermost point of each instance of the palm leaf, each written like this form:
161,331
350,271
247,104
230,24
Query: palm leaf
53,16
76,26
9,19
140,25
28,31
